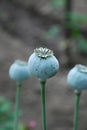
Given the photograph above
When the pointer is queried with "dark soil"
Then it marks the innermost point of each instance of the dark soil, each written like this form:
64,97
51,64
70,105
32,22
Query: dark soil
59,96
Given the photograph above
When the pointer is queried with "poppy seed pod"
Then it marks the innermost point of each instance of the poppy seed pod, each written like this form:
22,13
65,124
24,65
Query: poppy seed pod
19,71
43,64
77,77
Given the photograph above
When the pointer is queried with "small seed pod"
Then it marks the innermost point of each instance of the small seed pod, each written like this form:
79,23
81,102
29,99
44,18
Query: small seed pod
77,77
19,71
43,64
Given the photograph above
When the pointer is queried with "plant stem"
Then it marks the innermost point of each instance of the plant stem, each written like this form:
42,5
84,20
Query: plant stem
18,92
76,111
43,102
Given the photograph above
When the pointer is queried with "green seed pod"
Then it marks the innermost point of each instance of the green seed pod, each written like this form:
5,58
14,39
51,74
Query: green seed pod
43,64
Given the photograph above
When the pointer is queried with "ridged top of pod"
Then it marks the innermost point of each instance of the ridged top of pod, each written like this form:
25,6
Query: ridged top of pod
43,64
77,77
82,68
43,52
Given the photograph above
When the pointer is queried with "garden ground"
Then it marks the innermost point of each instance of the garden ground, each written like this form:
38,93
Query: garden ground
60,98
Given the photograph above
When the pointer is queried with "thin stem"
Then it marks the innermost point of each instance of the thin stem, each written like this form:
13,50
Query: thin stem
76,111
43,102
18,92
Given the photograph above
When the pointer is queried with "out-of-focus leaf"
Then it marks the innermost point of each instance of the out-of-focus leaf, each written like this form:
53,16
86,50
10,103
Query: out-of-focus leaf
21,127
57,3
7,115
8,126
5,107
52,32
75,32
79,18
82,45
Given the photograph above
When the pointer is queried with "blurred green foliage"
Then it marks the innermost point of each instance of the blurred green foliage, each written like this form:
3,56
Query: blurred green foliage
82,46
58,3
76,20
80,18
52,32
7,115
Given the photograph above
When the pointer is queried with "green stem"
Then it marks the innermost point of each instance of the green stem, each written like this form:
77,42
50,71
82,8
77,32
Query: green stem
43,102
18,92
76,111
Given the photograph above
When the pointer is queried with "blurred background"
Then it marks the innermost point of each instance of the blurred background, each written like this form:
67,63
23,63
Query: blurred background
60,25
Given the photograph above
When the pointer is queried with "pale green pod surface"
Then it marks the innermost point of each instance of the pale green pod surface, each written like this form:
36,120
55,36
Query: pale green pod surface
77,77
43,64
19,71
